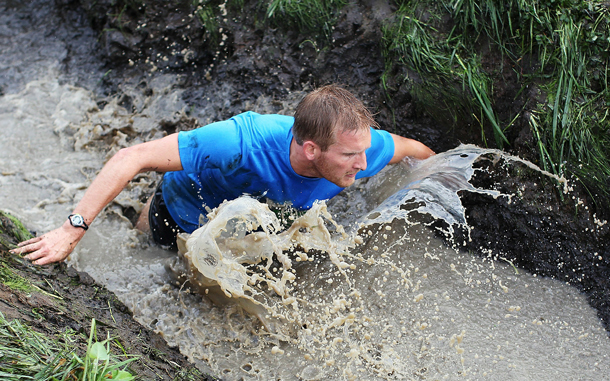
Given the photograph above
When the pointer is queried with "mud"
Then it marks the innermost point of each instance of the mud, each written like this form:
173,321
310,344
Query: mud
63,298
543,230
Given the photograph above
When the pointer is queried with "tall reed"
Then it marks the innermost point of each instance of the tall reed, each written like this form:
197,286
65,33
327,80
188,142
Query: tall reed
569,42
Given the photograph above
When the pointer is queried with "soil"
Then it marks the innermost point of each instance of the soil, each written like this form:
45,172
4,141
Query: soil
541,229
63,298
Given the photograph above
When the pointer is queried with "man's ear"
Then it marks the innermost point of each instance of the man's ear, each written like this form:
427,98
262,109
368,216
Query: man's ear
310,149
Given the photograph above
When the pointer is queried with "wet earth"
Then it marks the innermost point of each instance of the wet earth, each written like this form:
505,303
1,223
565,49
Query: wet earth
64,299
540,229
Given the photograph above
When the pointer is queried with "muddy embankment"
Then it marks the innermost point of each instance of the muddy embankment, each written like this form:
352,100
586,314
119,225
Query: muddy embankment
61,299
541,228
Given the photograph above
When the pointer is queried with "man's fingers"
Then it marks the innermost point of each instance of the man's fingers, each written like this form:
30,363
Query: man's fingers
51,247
29,241
31,257
42,261
26,247
21,250
34,254
46,259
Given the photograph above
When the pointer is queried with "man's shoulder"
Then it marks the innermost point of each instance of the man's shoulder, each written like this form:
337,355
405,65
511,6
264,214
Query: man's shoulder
264,131
242,126
256,120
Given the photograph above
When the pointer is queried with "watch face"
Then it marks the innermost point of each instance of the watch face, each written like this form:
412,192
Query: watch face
77,220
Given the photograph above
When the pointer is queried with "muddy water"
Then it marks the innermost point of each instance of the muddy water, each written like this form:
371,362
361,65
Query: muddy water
395,303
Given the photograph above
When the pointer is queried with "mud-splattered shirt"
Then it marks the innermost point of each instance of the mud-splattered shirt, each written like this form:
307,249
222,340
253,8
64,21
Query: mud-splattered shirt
249,154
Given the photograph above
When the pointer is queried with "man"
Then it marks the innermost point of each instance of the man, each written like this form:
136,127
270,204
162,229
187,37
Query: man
312,156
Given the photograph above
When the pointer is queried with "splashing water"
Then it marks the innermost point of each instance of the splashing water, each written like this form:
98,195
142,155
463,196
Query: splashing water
374,303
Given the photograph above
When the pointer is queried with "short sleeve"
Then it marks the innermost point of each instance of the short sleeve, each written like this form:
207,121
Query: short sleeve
379,154
217,145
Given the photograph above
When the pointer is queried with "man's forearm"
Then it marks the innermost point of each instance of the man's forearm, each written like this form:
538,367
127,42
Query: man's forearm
160,155
111,180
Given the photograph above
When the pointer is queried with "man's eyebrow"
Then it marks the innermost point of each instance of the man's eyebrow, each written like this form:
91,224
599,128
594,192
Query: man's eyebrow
355,152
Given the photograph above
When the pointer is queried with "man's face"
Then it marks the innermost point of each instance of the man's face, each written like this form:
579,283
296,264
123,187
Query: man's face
343,159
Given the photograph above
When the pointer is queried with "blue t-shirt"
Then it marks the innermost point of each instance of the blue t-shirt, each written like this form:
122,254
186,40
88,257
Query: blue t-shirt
249,154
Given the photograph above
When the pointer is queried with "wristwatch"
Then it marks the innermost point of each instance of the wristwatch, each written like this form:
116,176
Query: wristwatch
77,221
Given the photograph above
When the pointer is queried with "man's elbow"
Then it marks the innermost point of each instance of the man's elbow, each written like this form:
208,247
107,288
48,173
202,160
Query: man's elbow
427,152
125,155
417,150
131,157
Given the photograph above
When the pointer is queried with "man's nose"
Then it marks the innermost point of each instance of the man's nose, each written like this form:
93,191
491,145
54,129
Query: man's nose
360,162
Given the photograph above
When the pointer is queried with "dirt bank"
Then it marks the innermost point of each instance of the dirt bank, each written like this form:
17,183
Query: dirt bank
541,229
60,298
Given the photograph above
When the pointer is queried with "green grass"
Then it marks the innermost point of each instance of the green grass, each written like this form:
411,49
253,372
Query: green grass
314,17
574,128
432,46
12,231
209,13
29,355
441,69
15,282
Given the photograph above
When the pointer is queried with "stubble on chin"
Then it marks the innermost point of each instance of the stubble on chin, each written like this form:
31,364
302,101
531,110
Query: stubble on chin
346,181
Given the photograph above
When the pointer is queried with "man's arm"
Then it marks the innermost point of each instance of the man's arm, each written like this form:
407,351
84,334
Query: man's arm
159,155
404,147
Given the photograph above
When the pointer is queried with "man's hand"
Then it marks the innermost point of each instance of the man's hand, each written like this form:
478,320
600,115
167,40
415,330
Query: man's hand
53,246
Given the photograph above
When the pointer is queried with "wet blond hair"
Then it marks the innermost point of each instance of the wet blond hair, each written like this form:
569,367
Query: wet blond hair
327,111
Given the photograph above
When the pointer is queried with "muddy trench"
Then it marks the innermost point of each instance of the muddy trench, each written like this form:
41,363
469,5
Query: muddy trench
108,47
259,60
